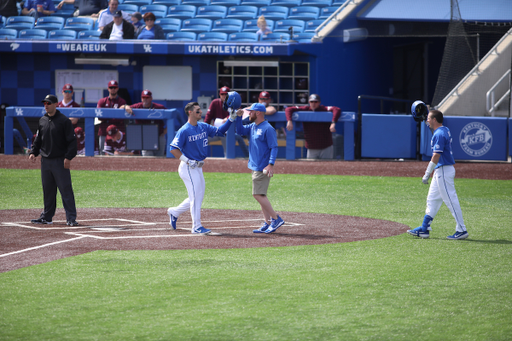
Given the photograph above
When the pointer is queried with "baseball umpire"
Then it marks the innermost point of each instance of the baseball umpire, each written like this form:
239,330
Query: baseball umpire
56,142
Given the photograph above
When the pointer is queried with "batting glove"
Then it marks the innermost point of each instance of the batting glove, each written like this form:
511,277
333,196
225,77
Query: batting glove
425,178
232,115
192,164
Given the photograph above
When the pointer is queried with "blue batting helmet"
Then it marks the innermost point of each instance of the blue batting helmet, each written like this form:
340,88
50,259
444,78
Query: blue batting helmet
233,101
419,111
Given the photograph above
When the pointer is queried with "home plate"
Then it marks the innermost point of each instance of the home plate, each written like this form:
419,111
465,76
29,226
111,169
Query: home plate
214,234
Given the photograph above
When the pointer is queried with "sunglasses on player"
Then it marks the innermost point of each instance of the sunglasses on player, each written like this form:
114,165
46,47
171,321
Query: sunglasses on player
67,91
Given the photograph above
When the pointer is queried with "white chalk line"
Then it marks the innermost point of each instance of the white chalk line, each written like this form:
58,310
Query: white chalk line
41,246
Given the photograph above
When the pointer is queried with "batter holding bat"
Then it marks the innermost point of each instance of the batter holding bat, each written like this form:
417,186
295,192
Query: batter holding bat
442,187
191,146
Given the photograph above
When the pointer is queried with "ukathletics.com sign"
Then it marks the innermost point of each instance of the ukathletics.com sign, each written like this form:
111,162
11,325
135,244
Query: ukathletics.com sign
229,49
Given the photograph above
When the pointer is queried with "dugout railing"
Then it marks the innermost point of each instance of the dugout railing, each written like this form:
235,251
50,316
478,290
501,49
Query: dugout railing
170,115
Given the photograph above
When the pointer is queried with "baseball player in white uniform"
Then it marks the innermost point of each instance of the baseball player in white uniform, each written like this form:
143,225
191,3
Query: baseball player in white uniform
191,146
442,187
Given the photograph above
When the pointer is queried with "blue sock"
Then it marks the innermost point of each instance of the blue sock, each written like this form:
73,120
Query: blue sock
427,220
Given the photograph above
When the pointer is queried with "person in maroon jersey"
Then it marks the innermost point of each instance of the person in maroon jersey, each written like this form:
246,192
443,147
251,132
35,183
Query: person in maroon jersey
115,143
317,134
147,103
68,102
111,101
80,141
216,116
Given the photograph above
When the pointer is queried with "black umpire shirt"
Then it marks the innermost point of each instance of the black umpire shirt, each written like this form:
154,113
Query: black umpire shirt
55,137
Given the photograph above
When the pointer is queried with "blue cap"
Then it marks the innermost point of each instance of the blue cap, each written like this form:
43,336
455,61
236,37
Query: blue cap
258,107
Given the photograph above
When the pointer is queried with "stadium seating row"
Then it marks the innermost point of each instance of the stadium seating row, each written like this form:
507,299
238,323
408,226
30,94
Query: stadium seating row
6,33
230,3
196,25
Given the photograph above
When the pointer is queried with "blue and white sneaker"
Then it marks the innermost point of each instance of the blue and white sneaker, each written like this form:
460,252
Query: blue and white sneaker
173,219
262,229
419,232
275,224
201,230
459,235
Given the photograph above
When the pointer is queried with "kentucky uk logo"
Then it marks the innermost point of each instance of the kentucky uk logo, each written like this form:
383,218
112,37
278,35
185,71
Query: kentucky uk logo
475,139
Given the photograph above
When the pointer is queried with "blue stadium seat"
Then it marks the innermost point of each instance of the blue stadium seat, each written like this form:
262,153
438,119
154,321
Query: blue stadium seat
8,33
338,3
252,25
242,12
181,12
227,25
305,13
212,12
160,11
327,11
317,3
32,34
50,23
167,2
20,22
79,24
286,3
312,25
62,35
284,25
66,11
227,3
274,12
181,36
196,3
196,25
137,2
276,37
243,36
89,34
128,8
303,37
257,3
169,24
212,36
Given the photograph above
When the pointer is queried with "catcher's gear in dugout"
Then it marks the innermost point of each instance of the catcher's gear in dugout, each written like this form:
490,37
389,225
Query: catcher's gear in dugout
419,111
234,101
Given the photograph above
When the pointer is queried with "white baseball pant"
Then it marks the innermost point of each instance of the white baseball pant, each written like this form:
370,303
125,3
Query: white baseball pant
442,189
194,181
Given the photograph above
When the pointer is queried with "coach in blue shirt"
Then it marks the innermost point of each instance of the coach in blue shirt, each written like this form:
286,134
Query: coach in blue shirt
262,157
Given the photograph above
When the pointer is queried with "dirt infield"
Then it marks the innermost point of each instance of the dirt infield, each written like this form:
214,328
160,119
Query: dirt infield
23,244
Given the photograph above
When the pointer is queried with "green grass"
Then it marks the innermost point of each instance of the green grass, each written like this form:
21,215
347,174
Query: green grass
397,288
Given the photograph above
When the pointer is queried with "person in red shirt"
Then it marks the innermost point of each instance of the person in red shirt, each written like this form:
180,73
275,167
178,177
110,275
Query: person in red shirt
147,103
68,102
317,134
115,143
216,116
111,101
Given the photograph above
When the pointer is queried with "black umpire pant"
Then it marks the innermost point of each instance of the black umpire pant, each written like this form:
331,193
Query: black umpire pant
53,176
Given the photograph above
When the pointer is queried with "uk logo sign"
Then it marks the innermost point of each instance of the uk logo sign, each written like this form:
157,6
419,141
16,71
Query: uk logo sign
475,139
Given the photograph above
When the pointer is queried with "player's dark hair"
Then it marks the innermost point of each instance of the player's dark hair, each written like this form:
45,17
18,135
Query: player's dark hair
190,107
437,115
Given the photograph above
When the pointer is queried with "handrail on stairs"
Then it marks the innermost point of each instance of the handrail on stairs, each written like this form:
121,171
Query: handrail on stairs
490,102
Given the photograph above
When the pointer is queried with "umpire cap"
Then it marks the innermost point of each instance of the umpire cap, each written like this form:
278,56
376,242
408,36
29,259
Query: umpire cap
51,99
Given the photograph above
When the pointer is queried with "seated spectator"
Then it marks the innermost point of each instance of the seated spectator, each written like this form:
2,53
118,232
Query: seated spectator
118,29
147,103
150,30
115,144
106,16
38,8
262,24
137,20
90,8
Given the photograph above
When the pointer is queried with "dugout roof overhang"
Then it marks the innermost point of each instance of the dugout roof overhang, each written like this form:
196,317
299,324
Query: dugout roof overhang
491,11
